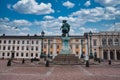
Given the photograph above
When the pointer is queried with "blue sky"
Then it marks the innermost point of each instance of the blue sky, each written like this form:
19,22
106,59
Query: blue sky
22,17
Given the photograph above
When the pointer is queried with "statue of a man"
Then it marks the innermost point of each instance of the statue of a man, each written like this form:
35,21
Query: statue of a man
65,28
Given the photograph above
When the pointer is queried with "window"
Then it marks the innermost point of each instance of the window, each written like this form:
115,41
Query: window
57,52
36,55
110,41
51,52
21,54
116,41
13,41
9,41
4,47
31,54
32,48
32,42
4,41
77,40
36,48
17,47
26,54
94,42
8,47
22,42
8,54
18,42
57,46
27,48
0,41
77,52
27,42
3,54
36,42
77,46
17,54
104,41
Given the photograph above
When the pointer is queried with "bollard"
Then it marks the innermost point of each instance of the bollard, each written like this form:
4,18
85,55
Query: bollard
109,62
47,63
23,61
9,62
99,61
87,63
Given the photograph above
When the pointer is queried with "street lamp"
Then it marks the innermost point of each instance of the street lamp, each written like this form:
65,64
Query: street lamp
82,49
90,35
48,48
42,36
87,56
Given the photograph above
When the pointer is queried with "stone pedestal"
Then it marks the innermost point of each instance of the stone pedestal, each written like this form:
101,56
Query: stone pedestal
65,46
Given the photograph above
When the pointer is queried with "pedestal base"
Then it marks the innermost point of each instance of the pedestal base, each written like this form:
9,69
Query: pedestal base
65,46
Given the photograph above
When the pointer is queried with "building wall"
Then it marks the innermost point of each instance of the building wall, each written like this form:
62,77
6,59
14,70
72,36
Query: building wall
31,47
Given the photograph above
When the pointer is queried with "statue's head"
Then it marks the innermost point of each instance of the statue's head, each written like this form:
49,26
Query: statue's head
64,21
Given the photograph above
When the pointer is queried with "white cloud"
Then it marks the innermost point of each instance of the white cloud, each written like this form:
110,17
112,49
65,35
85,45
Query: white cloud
19,23
87,3
108,2
6,29
96,14
83,29
48,17
25,29
115,27
14,27
32,7
4,19
68,4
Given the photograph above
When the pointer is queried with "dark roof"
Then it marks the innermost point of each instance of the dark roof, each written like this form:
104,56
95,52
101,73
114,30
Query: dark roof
37,37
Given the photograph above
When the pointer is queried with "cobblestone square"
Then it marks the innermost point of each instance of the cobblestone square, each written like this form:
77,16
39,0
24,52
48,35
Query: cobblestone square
33,71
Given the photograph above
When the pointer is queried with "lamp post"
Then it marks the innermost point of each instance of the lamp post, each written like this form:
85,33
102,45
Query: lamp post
90,35
48,48
48,56
86,55
82,49
42,36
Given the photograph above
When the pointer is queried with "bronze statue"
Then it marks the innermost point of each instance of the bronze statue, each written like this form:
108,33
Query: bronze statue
65,29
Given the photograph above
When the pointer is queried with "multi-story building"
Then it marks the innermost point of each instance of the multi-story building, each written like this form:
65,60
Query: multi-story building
105,44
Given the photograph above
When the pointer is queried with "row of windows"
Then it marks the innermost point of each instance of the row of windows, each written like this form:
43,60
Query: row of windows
28,48
110,41
18,48
20,54
18,42
58,46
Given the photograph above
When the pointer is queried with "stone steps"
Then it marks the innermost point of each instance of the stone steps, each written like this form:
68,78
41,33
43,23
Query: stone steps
66,59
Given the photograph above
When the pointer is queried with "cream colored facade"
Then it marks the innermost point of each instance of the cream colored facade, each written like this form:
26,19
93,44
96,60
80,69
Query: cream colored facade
105,44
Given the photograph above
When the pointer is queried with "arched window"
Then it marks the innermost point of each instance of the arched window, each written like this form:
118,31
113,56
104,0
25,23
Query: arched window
104,41
110,41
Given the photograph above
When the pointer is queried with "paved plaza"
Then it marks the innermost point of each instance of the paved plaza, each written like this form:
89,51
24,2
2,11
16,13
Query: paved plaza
37,71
